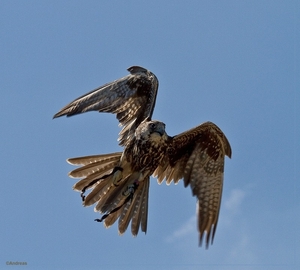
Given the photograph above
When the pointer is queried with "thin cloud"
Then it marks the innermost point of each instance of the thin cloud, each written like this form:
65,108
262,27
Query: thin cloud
232,205
187,228
242,252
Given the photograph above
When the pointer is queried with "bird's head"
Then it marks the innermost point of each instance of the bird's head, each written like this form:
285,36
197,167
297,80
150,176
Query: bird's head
151,129
157,127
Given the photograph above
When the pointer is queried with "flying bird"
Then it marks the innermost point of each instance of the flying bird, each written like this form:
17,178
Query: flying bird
119,182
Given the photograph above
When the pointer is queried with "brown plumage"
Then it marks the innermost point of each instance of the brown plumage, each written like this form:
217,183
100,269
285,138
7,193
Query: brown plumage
119,182
132,98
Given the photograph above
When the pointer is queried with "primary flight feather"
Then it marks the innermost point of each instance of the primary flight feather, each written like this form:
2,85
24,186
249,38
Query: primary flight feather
119,182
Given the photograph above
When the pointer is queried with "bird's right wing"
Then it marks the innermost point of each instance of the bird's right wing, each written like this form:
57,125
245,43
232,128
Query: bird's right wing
132,98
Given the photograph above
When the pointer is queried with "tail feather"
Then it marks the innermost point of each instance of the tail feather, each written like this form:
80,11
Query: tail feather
97,167
93,168
98,193
111,219
94,158
134,210
125,217
128,210
92,164
118,194
87,182
144,208
113,198
136,218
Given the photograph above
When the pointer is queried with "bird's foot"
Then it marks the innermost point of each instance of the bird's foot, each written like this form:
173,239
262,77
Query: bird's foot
129,192
116,170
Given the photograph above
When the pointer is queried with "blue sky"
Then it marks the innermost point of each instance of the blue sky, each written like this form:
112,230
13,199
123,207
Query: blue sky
235,63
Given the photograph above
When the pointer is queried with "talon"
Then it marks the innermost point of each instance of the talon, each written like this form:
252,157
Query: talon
82,193
130,189
102,218
82,196
95,181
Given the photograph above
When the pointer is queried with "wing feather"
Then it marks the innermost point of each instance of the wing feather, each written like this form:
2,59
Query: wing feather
132,98
197,156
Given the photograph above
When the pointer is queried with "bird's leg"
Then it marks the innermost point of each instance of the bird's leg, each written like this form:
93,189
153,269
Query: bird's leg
128,193
117,176
130,189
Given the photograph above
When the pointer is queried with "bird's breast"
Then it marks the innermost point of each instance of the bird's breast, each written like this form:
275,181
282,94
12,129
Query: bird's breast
147,154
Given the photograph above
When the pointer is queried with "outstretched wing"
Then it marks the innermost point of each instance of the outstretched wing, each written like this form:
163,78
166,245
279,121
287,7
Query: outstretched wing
197,156
132,98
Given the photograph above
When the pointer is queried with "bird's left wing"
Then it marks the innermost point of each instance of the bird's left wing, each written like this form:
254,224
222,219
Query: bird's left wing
197,156
132,98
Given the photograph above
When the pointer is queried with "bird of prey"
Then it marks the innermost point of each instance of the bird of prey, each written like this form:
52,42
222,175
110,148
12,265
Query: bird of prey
119,182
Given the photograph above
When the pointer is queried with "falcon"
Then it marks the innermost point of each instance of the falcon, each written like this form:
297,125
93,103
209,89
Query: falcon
119,182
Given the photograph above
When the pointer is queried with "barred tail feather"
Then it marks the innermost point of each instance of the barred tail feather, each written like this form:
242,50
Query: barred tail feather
93,169
130,209
94,158
140,215
99,192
